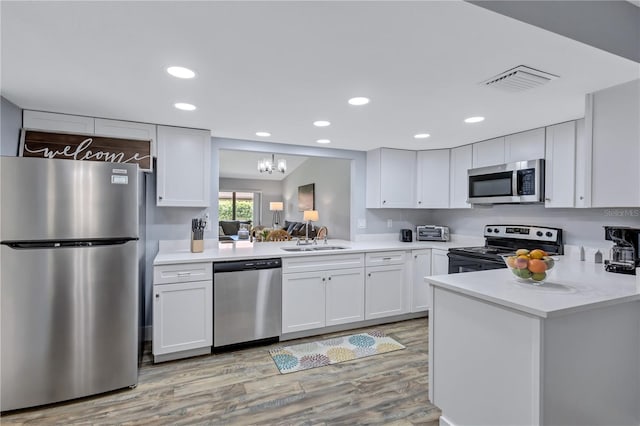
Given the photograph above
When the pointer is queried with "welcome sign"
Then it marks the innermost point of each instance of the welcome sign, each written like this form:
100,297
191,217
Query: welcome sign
83,147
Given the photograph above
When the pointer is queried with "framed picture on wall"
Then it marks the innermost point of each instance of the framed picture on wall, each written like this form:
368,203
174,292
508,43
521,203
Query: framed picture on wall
306,197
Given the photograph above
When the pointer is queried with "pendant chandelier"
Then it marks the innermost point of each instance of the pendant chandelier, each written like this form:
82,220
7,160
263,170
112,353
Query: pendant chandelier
270,165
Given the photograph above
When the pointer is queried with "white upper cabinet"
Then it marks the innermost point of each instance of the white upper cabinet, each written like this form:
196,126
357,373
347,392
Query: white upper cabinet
184,167
433,179
461,162
524,146
560,162
57,122
127,129
391,178
614,115
489,152
583,166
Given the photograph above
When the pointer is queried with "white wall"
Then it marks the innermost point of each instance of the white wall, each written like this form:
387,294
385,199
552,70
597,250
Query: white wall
332,179
271,190
580,226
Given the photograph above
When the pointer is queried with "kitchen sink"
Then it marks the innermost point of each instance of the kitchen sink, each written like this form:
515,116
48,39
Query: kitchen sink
312,248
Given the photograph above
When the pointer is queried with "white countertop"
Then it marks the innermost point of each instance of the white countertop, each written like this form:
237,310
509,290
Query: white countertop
178,252
574,286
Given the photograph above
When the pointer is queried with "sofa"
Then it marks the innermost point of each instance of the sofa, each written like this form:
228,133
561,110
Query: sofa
298,229
229,228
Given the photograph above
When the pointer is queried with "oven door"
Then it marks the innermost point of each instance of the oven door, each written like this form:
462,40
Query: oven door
459,263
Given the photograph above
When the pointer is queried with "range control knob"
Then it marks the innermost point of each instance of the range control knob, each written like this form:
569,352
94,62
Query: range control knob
549,234
489,230
539,233
495,230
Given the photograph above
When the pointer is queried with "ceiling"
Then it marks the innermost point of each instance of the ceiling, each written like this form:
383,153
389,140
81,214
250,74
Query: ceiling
279,66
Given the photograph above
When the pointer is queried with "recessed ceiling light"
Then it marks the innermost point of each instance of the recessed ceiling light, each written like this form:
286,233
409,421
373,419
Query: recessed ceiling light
359,101
185,107
473,119
181,72
323,141
421,135
321,123
263,134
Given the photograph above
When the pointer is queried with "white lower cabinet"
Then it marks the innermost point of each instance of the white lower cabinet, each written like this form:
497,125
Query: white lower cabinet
439,262
344,292
303,301
386,292
182,316
331,294
421,266
182,310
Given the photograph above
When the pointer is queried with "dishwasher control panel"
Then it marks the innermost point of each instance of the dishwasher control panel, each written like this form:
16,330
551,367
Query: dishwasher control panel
246,265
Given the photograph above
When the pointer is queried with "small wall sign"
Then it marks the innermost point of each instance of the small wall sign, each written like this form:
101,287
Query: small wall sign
83,147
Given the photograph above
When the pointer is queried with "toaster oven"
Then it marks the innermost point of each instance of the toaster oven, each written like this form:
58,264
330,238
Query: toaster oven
432,233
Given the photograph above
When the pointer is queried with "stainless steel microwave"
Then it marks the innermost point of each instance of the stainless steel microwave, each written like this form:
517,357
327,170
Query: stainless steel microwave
511,183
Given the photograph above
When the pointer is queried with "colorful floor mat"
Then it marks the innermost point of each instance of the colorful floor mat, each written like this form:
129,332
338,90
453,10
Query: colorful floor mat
331,351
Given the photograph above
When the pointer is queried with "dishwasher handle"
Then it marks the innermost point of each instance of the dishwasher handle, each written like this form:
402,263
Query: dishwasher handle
246,265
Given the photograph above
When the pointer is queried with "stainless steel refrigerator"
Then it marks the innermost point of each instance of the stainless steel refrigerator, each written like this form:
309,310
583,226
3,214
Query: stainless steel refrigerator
69,279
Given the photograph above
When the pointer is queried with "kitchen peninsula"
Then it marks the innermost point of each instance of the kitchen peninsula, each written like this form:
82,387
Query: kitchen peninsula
566,352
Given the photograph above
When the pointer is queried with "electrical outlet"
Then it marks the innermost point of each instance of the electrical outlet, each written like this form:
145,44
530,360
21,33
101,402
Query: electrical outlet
206,217
389,223
362,223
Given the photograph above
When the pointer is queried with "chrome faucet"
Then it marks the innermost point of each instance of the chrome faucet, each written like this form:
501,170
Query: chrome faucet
324,234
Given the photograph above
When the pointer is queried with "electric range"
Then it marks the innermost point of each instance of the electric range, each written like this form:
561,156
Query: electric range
501,240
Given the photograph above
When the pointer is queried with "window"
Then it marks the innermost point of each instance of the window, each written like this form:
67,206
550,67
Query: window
236,206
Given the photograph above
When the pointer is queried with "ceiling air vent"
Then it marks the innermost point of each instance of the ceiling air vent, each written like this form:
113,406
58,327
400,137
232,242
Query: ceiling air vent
519,78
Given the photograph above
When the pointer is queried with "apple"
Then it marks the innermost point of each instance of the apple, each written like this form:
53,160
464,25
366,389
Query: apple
522,262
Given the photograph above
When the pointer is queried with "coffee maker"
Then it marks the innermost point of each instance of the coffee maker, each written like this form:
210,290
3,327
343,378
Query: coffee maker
625,254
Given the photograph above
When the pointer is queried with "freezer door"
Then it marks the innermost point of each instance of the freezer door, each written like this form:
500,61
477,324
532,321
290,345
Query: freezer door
69,322
67,200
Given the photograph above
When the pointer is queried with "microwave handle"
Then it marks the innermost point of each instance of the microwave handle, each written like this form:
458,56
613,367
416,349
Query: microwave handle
514,183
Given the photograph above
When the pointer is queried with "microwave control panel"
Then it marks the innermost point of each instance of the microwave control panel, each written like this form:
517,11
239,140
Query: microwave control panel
527,182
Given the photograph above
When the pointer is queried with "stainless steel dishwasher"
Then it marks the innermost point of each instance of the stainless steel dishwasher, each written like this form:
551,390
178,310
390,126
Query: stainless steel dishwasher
247,301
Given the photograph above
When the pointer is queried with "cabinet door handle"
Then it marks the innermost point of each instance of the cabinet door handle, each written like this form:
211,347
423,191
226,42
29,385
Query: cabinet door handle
157,295
329,278
415,257
184,274
384,201
369,274
581,197
419,202
547,199
323,279
160,198
386,258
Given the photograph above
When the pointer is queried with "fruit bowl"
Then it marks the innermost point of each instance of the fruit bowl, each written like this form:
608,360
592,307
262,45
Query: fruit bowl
533,267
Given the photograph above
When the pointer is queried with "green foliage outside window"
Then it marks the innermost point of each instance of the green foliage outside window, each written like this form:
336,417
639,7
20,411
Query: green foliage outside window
244,209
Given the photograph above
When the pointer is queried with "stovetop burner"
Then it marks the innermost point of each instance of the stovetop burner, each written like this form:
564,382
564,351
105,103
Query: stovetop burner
501,240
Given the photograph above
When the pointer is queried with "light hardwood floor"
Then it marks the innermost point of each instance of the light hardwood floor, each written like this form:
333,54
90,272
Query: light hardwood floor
244,387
